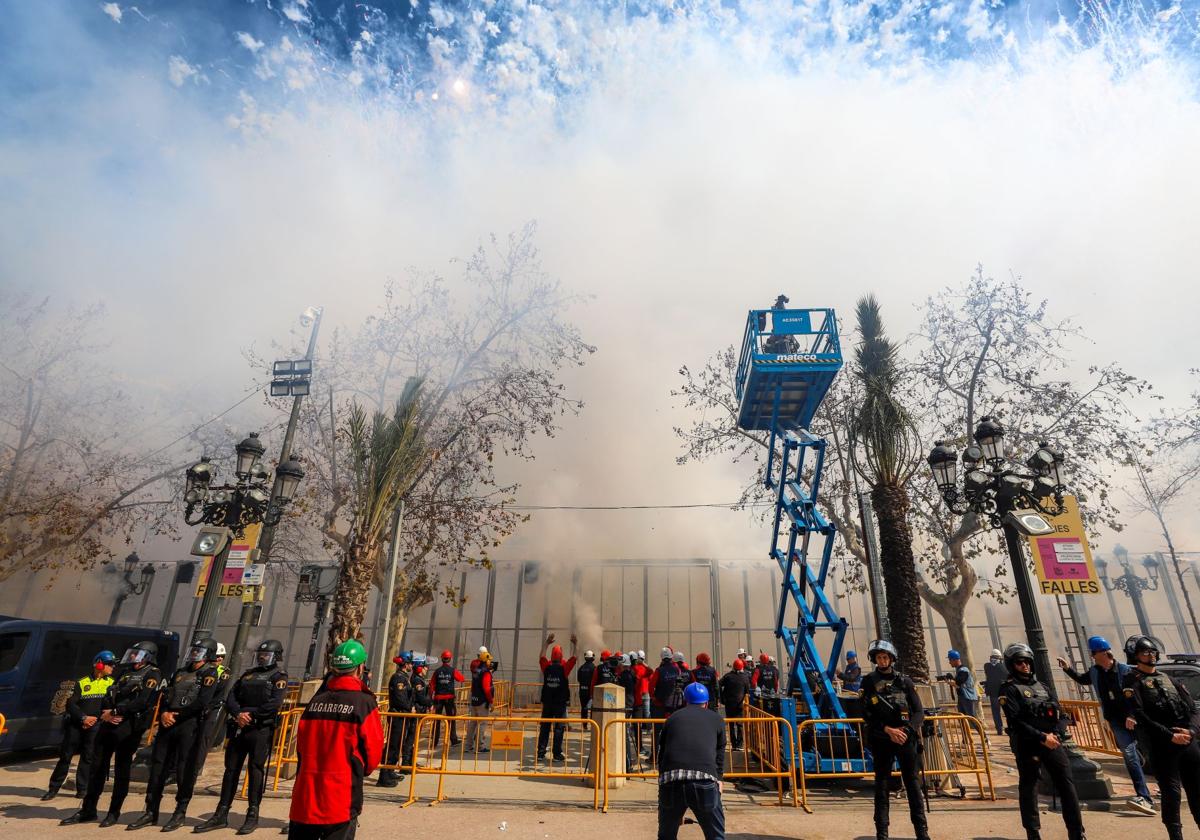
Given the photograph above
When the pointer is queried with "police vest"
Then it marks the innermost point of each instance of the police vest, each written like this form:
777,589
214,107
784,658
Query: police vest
888,703
130,684
555,690
185,688
1160,700
255,689
420,690
94,687
1037,707
400,692
443,680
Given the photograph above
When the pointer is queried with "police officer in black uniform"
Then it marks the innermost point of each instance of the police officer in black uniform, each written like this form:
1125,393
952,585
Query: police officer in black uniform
584,675
403,730
893,715
179,734
253,708
1166,715
1036,730
125,715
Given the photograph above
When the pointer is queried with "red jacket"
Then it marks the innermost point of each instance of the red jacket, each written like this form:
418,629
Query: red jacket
568,664
339,742
642,687
443,695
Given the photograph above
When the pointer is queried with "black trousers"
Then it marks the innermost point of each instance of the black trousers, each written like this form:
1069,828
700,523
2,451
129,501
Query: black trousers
253,743
445,707
735,729
997,714
115,745
174,749
1031,758
560,729
76,739
704,800
1176,766
400,743
883,752
337,831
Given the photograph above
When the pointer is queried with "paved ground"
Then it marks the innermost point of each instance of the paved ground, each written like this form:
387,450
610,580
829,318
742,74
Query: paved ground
542,809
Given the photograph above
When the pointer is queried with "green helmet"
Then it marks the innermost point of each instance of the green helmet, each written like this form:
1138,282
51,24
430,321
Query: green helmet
348,655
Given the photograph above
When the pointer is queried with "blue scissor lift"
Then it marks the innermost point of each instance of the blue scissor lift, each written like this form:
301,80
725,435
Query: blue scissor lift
788,361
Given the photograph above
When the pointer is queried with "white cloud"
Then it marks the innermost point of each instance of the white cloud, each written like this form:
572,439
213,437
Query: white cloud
112,10
248,41
295,13
179,71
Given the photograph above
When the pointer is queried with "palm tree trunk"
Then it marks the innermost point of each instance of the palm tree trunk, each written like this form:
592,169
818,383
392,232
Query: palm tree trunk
900,579
353,592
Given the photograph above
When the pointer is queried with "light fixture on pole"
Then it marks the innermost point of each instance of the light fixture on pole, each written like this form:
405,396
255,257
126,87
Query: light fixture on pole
1015,499
247,501
1132,584
131,587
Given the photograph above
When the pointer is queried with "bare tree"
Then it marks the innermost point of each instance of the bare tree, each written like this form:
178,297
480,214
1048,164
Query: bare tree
70,486
988,347
489,347
1161,479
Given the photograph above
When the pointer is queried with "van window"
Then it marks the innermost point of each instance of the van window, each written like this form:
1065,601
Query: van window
68,652
12,645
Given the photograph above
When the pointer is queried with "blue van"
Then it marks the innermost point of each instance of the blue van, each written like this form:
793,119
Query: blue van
37,657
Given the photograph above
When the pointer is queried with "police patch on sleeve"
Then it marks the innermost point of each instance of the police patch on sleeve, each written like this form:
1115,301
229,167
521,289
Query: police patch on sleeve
209,680
281,684
1129,692
152,683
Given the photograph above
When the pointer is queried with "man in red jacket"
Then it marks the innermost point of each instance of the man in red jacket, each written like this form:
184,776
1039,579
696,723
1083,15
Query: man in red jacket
339,742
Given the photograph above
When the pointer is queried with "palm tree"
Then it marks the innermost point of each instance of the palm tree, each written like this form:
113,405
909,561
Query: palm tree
887,449
386,458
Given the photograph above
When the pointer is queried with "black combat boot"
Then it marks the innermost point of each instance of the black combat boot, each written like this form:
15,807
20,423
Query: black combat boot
251,822
881,832
79,816
50,794
1033,834
110,819
219,819
176,820
387,779
144,819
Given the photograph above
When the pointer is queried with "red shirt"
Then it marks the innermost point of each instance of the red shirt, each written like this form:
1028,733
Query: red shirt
642,687
567,664
339,741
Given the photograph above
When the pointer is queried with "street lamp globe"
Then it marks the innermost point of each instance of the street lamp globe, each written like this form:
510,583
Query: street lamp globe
989,434
944,462
1101,567
1152,568
131,563
289,473
1121,553
199,476
249,450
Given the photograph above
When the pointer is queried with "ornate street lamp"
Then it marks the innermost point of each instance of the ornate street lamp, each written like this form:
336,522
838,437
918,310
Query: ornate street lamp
1132,584
131,587
247,501
1014,498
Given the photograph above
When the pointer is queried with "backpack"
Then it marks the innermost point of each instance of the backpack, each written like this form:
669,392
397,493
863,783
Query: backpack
675,700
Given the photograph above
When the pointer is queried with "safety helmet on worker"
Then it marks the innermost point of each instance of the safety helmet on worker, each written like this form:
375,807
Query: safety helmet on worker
447,656
703,659
763,659
555,654
482,651
642,655
677,656
1016,652
665,653
605,654
1137,644
220,650
105,657
952,655
850,654
739,664
878,646
626,660
587,654
695,694
405,656
1098,644
996,654
347,656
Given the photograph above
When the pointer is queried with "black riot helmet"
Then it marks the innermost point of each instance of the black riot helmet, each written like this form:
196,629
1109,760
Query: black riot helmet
201,651
882,646
141,654
1016,651
1138,644
268,653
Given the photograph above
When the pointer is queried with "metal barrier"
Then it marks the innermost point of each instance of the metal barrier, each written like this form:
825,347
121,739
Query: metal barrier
508,754
284,749
964,753
760,742
1089,728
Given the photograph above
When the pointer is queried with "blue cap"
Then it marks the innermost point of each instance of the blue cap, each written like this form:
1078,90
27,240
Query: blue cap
851,655
105,656
695,694
1098,644
952,655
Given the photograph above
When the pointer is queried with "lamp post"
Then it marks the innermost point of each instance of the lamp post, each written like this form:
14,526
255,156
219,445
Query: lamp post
1132,584
131,587
1169,583
1102,570
235,506
1014,498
